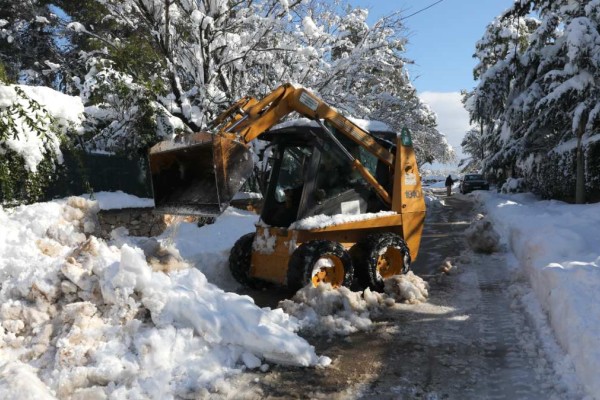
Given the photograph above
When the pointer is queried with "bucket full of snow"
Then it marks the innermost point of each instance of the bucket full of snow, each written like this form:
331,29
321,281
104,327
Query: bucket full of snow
198,175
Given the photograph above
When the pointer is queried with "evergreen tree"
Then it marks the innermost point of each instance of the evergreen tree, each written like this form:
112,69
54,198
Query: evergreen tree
539,97
473,145
28,48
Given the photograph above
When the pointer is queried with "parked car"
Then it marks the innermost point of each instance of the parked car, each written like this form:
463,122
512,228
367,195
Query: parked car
471,182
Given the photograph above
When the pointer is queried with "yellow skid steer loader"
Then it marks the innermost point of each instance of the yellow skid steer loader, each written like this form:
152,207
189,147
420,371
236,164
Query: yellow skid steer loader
342,198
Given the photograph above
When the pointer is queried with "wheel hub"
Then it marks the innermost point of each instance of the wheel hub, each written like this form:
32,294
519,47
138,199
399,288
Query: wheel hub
390,263
330,270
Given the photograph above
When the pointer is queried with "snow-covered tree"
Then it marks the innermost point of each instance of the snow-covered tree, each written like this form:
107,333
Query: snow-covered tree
539,94
207,54
498,70
30,43
365,75
146,69
123,115
474,146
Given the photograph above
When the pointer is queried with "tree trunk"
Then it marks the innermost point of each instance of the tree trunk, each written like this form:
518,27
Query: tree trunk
173,80
482,155
167,27
580,171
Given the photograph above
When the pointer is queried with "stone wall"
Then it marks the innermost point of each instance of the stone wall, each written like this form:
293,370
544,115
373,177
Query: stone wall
138,221
144,222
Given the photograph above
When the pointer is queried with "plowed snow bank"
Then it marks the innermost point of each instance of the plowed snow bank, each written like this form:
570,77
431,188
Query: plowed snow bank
83,317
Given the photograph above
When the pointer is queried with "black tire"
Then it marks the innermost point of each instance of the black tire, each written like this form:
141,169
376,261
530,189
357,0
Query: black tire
239,262
305,257
357,254
371,253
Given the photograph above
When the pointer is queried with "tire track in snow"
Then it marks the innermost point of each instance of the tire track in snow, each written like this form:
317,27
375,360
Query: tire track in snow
509,353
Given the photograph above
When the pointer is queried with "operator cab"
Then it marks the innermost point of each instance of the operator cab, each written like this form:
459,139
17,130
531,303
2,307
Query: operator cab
305,174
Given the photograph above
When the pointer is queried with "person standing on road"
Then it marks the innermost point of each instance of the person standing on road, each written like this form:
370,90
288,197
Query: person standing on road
449,183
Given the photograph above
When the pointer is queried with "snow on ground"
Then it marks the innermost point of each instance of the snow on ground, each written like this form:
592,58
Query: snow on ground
118,200
207,248
81,316
431,200
130,318
556,246
87,318
327,311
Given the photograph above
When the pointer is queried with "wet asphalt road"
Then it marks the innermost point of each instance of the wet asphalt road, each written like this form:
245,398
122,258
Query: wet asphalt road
471,340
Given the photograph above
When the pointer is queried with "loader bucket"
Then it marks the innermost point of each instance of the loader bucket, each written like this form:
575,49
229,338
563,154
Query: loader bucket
199,176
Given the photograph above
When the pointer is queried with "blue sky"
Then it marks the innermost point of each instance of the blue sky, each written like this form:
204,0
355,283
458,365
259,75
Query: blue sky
441,39
441,44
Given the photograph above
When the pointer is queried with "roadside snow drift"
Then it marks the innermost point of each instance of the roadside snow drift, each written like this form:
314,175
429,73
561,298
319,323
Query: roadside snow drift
482,237
324,310
557,245
82,317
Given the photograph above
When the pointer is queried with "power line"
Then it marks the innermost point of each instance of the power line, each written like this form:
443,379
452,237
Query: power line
421,10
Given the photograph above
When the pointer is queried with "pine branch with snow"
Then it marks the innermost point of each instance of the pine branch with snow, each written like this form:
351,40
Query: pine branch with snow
538,86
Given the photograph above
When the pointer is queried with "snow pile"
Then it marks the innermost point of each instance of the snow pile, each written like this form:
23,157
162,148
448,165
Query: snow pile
119,200
431,200
21,378
482,237
556,244
408,288
81,317
327,311
207,248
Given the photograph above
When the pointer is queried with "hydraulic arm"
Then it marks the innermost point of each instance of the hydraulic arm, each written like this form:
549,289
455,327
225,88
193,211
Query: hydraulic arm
248,118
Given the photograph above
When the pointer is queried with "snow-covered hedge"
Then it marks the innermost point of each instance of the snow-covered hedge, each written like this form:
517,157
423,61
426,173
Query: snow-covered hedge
553,176
514,185
33,121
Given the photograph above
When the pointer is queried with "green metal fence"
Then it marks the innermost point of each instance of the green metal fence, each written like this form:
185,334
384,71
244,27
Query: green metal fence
85,172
